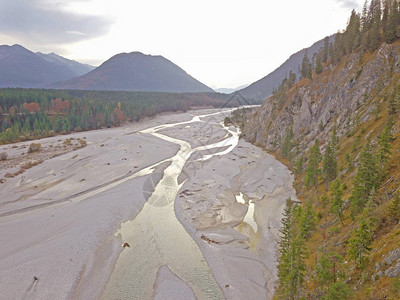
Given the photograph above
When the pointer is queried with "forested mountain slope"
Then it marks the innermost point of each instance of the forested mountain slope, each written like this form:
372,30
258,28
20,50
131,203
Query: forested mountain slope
338,129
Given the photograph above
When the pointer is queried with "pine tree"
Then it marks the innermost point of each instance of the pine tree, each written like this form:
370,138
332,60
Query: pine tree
329,164
392,105
306,218
361,240
339,290
318,63
334,139
364,23
394,208
338,48
312,170
384,152
325,276
291,255
287,143
352,35
27,126
366,179
299,165
284,245
374,37
336,190
393,22
385,16
328,269
325,50
305,66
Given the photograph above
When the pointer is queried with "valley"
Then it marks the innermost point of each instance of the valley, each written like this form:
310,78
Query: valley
170,194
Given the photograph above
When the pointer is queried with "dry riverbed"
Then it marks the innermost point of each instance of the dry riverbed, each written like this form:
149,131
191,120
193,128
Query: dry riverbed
59,218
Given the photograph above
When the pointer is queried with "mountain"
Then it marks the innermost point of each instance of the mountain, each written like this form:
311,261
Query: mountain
136,72
20,67
262,89
230,90
340,135
77,68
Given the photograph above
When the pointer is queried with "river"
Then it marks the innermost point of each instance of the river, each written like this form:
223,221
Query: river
157,237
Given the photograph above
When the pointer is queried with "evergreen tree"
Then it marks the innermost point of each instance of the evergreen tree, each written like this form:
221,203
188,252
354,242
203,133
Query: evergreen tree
287,143
336,190
394,209
27,126
352,35
299,165
393,22
330,164
307,221
374,37
284,244
384,152
334,138
312,170
366,179
361,240
339,290
305,66
392,105
325,50
364,13
318,63
338,48
327,269
291,255
385,15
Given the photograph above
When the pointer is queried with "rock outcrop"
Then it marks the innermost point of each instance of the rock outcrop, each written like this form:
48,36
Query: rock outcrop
340,96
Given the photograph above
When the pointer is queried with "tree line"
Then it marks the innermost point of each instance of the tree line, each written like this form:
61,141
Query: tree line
36,113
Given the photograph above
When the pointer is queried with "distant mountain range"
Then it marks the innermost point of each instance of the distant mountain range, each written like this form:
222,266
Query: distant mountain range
133,71
77,68
230,90
20,67
262,89
137,72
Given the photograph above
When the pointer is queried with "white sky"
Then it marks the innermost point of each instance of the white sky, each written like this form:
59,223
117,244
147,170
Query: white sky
222,43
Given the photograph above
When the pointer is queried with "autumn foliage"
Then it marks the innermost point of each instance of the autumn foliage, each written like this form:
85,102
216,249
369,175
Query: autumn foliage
31,107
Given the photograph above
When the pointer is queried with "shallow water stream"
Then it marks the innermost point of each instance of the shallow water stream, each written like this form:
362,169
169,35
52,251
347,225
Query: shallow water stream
157,238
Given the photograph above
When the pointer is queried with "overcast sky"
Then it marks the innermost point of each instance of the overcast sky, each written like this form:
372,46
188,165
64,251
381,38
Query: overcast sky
223,43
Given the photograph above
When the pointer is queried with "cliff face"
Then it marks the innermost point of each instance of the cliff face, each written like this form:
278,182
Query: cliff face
341,95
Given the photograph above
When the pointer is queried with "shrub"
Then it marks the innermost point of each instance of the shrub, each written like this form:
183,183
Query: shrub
83,143
34,147
3,155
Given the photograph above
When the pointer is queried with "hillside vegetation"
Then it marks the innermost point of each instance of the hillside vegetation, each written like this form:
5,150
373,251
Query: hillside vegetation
35,113
338,129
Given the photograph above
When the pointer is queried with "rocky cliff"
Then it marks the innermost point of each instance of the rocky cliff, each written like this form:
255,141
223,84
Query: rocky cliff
341,96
